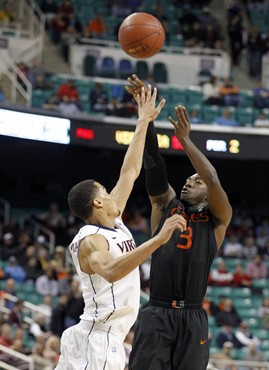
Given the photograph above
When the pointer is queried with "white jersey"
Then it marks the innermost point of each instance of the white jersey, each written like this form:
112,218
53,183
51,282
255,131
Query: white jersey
109,304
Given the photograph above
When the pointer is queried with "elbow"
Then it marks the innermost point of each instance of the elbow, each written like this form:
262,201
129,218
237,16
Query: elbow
112,276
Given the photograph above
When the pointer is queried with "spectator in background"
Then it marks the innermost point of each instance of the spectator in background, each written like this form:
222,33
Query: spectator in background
7,246
235,32
15,317
209,37
14,271
230,93
67,107
5,335
220,276
52,103
228,315
225,119
33,269
69,89
42,84
240,278
253,354
58,26
194,116
2,95
74,306
226,335
96,28
244,337
52,217
41,363
263,313
261,96
225,354
66,8
52,349
211,92
58,316
249,248
261,120
257,268
38,326
50,9
35,71
159,14
10,289
47,284
254,48
233,248
209,306
98,98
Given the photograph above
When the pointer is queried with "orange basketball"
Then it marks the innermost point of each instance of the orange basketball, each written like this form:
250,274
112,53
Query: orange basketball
141,35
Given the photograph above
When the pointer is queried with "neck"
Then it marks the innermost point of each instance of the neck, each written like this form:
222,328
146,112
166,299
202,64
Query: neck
193,207
102,220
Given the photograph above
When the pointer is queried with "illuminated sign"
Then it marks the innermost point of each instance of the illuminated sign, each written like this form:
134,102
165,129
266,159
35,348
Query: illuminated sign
34,127
222,146
216,145
176,144
125,137
84,133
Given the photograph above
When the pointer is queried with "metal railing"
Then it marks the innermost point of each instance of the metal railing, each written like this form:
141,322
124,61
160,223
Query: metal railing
19,355
35,228
9,68
5,210
238,365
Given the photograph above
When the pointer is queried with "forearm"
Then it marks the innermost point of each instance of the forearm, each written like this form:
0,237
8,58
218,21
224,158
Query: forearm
199,161
134,155
119,267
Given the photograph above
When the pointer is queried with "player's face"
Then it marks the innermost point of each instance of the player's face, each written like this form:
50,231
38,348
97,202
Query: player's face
194,191
109,203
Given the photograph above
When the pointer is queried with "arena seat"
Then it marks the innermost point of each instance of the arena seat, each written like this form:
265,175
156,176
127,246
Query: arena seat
160,73
241,292
108,68
210,113
245,116
142,69
89,65
126,69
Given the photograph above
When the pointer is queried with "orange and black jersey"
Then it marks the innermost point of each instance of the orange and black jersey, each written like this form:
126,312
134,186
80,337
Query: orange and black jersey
180,268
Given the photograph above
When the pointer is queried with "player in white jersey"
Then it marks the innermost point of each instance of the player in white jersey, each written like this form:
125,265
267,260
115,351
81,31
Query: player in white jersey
107,260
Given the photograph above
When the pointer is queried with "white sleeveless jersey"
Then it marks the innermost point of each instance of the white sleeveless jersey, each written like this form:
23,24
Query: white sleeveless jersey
114,304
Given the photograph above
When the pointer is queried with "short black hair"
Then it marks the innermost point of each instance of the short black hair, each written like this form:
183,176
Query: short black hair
80,198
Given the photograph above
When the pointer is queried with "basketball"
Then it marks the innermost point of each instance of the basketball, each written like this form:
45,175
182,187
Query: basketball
141,35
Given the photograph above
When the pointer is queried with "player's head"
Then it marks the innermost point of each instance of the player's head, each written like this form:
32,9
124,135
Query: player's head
89,195
194,192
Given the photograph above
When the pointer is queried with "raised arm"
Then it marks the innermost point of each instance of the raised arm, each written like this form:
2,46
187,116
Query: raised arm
132,163
159,191
217,199
94,256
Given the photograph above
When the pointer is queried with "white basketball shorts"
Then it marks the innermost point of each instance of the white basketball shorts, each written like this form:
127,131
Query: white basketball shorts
85,347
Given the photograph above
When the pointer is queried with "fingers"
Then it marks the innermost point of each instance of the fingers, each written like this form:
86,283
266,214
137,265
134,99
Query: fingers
137,80
149,97
172,121
178,113
177,221
161,104
143,97
185,114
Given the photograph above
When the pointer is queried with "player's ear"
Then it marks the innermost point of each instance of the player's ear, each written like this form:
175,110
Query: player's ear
97,203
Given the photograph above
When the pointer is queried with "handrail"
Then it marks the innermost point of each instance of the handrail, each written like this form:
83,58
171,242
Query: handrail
12,71
168,48
6,206
19,355
5,366
253,364
39,227
30,306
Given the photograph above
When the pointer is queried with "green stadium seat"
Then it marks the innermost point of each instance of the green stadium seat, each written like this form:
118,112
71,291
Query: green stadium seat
245,116
223,291
253,322
243,303
178,96
237,354
210,113
213,350
211,321
265,345
26,288
232,262
246,313
262,334
265,292
247,98
241,293
176,40
260,283
194,96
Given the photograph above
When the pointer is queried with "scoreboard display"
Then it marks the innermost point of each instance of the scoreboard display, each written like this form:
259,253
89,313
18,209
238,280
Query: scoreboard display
116,133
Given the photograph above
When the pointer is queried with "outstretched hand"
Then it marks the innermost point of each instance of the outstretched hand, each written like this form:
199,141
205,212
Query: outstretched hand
135,86
175,222
182,126
146,104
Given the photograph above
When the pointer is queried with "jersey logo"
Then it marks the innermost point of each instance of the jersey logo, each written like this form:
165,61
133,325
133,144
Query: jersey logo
127,245
194,217
203,342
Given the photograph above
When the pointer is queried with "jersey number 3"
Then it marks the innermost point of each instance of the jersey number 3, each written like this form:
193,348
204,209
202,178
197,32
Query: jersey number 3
188,237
